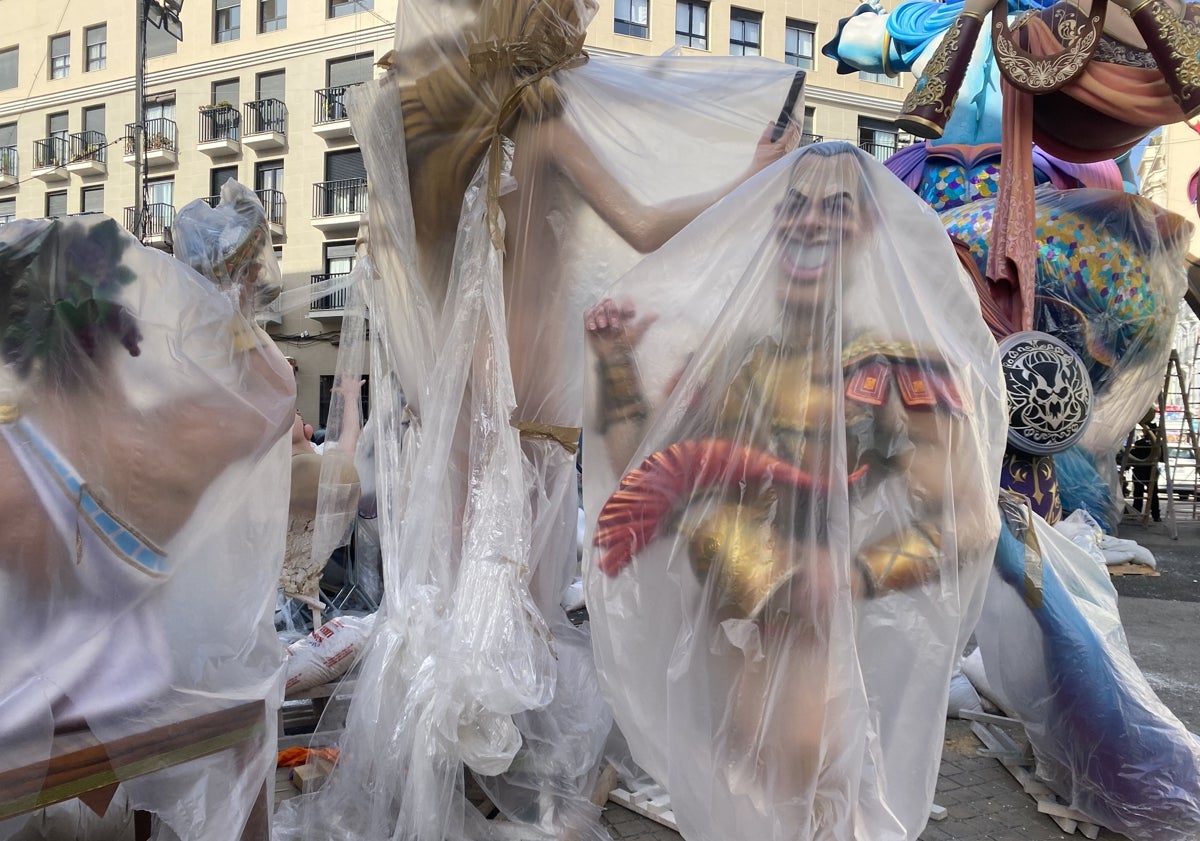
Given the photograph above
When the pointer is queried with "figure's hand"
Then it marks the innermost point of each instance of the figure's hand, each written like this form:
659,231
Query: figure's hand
768,151
615,330
348,385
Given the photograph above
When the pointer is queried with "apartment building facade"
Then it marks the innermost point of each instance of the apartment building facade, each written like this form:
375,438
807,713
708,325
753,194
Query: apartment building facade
255,92
859,107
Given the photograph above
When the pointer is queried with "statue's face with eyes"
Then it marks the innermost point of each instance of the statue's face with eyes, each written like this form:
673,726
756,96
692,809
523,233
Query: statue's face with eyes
821,219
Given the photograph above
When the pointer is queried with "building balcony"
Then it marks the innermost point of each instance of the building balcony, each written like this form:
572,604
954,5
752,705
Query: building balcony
264,124
89,154
807,139
50,156
8,166
162,145
220,131
154,228
330,119
339,205
275,206
331,306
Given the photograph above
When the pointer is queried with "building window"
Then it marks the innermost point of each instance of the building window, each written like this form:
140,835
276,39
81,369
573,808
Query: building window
879,78
632,17
8,210
91,200
810,136
58,125
268,184
798,40
60,56
8,69
341,8
217,178
56,204
691,25
745,32
877,137
8,134
272,15
227,20
96,39
227,92
159,42
93,119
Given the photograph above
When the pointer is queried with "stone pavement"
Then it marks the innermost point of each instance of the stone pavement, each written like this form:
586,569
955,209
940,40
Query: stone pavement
982,800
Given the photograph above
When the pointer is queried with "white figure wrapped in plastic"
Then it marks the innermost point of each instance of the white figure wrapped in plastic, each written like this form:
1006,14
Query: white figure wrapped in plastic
511,179
143,478
798,546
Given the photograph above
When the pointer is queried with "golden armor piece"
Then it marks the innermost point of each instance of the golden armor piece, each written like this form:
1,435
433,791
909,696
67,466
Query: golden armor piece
906,559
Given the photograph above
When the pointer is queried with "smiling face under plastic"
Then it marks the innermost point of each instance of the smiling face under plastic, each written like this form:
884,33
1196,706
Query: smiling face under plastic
824,215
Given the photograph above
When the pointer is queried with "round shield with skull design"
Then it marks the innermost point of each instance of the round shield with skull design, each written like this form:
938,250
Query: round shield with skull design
1049,393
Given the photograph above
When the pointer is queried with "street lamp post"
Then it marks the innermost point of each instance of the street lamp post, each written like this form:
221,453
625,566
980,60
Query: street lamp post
165,15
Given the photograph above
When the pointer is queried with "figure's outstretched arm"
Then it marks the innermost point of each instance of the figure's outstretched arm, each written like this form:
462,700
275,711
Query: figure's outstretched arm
646,227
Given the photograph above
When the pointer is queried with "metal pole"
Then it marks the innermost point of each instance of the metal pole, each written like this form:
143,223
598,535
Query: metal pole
139,128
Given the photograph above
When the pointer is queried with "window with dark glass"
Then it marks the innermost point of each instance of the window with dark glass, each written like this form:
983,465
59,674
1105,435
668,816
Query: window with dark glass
8,210
691,24
798,39
877,137
60,56
227,20
632,17
341,8
268,183
8,68
218,176
91,200
810,115
745,32
8,134
56,204
272,15
96,42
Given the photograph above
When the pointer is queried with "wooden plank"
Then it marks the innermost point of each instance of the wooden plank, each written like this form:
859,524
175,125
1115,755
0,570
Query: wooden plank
1131,568
80,763
640,802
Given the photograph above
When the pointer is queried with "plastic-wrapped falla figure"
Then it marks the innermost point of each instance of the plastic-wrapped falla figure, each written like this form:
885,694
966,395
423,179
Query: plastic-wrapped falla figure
810,511
130,388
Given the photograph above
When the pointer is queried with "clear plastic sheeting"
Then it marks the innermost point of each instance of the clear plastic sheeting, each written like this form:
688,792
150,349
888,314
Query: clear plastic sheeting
510,181
144,487
804,407
1056,657
231,244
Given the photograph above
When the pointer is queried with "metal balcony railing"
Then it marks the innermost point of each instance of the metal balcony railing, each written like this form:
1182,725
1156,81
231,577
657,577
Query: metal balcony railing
220,122
156,218
334,198
161,135
50,152
89,146
330,105
263,115
880,151
8,161
807,139
332,301
274,204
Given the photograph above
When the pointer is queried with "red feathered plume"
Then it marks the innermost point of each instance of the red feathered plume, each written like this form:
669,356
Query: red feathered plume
632,515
